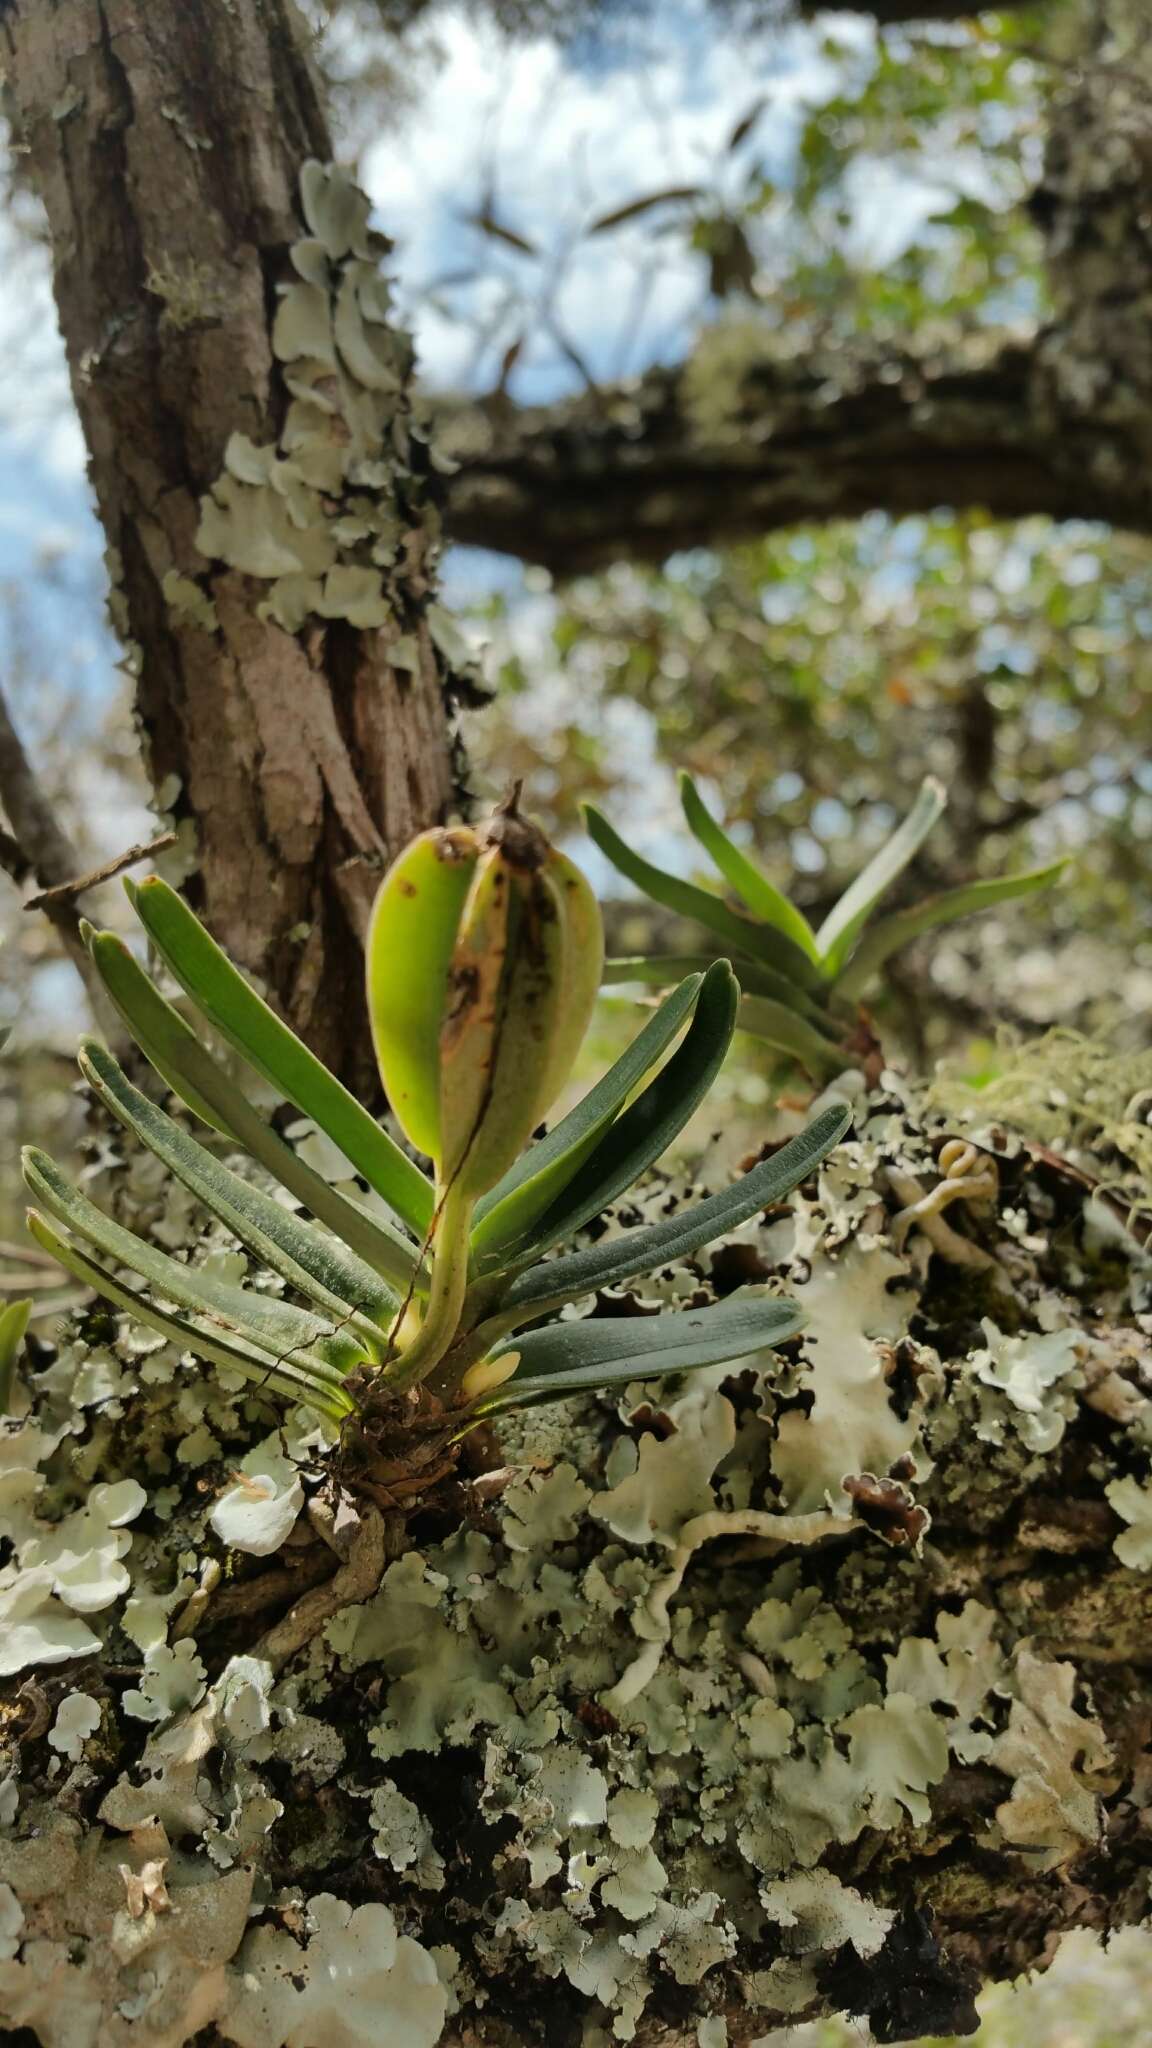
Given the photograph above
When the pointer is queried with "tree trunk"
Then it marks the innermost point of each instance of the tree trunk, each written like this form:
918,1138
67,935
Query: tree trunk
167,138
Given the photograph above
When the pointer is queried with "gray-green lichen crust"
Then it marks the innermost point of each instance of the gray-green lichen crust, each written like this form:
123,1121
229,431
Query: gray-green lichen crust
665,1734
315,515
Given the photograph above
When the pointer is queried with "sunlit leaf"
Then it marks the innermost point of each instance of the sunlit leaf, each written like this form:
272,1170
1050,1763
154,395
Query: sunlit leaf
301,1379
506,1214
242,1017
790,1033
199,1080
13,1324
313,1261
756,940
762,897
276,1326
838,931
893,932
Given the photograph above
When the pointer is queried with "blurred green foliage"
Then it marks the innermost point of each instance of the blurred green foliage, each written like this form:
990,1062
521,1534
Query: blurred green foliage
810,681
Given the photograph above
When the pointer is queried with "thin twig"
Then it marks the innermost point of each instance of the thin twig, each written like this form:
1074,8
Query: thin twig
12,857
41,841
45,850
62,890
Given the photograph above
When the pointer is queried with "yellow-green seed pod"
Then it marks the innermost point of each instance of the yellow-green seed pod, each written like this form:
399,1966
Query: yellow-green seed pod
411,940
583,965
523,980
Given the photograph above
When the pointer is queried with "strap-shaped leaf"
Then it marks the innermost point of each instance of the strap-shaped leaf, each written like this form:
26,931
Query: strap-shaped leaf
647,1127
505,1215
676,1237
891,933
191,1072
300,1378
792,1034
223,996
13,1323
659,970
277,1327
763,898
835,936
308,1259
158,1029
760,941
576,1358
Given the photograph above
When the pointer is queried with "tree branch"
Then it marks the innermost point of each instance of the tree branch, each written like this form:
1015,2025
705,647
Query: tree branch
38,845
890,13
106,872
737,443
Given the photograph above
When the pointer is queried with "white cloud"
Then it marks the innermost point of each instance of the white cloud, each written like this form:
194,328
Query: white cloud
550,145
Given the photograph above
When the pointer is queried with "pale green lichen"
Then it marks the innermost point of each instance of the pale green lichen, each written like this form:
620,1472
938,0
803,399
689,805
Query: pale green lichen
259,1510
1023,1370
319,516
455,1752
189,293
352,1981
1133,1503
1059,1760
188,601
77,1717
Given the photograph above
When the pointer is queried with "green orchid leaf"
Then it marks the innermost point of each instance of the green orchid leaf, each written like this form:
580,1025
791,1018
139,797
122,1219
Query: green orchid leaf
836,935
260,1319
200,1081
676,1237
159,1030
301,1378
656,970
242,1017
504,1216
777,1026
13,1324
659,969
311,1260
644,1131
763,898
584,1357
893,932
761,942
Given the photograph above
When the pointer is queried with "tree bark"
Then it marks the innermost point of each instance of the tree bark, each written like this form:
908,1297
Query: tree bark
705,456
167,141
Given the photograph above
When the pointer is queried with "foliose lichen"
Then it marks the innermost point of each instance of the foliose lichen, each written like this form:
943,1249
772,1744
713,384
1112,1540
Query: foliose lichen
318,514
615,1739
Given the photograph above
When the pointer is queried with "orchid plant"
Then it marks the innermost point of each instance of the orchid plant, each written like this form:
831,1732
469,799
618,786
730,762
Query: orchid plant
444,1283
799,987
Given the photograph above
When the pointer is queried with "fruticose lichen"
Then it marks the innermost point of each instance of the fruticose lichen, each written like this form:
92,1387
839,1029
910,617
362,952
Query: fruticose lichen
643,1727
